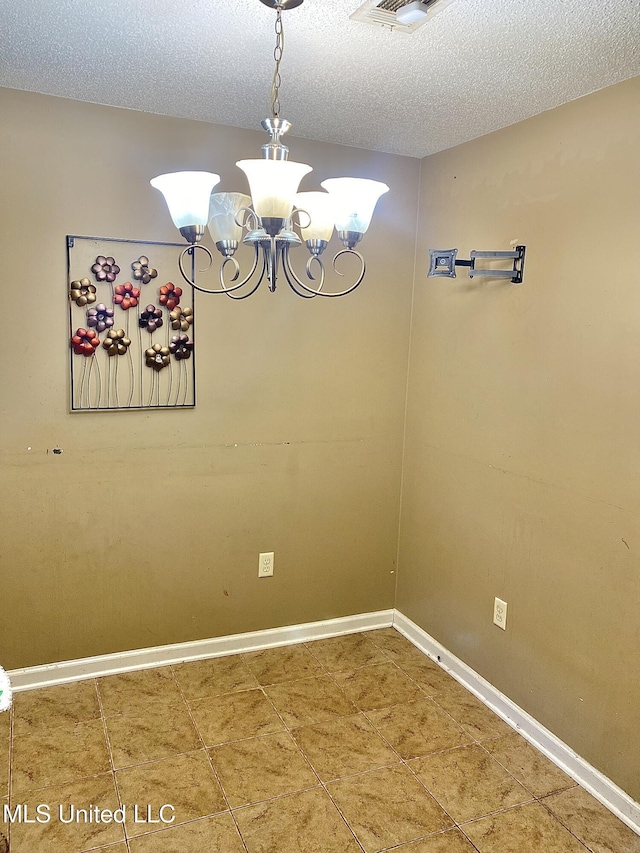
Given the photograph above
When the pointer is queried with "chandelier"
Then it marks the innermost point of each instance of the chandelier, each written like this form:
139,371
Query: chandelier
272,211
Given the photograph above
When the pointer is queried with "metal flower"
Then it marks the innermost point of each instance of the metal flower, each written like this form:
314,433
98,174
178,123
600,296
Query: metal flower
116,342
82,292
157,357
85,341
126,295
105,269
151,318
170,295
181,347
100,317
181,318
142,271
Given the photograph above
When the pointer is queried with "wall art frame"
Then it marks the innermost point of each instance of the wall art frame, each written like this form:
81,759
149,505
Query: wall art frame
131,329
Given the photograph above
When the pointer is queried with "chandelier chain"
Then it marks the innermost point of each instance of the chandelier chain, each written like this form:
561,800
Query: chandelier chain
277,55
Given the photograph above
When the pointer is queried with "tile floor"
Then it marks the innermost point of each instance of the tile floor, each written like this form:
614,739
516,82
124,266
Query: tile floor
351,744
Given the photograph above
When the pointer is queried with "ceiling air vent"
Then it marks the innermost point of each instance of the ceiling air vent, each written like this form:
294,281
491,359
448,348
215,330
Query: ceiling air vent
382,13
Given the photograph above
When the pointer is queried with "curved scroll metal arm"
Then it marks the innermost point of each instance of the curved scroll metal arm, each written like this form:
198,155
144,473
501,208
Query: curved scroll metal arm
245,280
250,214
289,274
289,271
297,213
223,287
256,285
310,275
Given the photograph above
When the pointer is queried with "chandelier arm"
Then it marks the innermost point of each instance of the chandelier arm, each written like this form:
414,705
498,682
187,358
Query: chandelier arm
250,214
319,292
289,274
358,282
310,274
228,290
256,286
297,212
236,267
190,250
223,289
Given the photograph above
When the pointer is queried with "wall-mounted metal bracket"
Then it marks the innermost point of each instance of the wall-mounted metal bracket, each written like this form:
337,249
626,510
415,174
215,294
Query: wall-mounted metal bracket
443,263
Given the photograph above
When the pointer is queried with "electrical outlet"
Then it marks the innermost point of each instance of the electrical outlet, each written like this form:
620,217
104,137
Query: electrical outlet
265,565
500,613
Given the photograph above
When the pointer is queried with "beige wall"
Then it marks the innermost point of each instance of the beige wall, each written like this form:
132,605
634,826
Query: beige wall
522,464
294,446
522,450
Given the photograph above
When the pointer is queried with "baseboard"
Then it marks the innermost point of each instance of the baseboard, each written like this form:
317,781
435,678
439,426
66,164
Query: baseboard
32,677
601,787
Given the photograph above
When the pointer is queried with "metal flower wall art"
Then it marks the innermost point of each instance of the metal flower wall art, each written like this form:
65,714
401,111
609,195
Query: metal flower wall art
142,270
131,342
170,295
85,342
181,318
105,269
82,292
100,317
116,342
151,318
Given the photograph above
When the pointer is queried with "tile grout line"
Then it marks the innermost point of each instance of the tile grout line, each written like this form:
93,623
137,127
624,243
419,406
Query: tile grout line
569,830
209,759
111,761
536,798
404,762
513,808
456,824
400,761
31,791
312,768
425,838
411,770
475,741
397,661
175,755
480,743
526,787
433,697
289,729
375,728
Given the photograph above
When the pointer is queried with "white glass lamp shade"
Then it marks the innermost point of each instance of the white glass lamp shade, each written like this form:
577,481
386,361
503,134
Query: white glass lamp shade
223,208
320,207
273,185
355,200
187,195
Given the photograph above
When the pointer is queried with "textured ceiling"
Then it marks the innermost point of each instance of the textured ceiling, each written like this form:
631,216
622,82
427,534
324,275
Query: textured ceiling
477,66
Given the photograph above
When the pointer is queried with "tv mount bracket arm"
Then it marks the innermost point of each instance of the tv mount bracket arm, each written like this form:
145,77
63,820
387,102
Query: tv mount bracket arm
443,263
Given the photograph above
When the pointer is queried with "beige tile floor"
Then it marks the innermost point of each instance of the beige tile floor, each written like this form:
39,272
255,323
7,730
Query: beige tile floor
351,744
